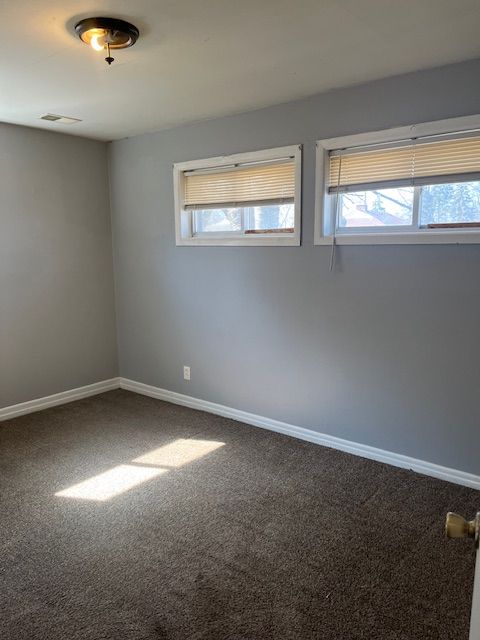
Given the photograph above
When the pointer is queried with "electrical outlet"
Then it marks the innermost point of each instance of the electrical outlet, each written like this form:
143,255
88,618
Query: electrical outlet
186,373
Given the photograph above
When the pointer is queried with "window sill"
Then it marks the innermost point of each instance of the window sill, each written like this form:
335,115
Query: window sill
259,241
412,237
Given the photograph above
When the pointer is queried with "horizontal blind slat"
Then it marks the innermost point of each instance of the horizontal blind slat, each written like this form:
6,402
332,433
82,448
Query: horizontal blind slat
235,205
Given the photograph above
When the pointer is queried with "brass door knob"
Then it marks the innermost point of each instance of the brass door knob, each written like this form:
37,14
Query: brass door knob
457,527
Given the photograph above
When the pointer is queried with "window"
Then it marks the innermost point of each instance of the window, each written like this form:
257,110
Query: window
420,188
247,198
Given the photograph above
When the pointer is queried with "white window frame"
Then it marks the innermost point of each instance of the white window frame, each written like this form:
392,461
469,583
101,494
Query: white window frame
324,233
184,220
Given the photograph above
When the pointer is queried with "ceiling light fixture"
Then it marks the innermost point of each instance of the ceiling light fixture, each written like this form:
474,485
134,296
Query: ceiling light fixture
104,34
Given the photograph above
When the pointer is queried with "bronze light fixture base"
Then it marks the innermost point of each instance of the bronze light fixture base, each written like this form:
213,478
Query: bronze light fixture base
105,34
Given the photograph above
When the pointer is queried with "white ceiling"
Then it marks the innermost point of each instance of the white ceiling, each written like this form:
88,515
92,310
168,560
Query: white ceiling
199,59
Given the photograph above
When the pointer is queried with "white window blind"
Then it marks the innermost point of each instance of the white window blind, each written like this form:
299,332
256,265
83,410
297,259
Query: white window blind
407,163
249,184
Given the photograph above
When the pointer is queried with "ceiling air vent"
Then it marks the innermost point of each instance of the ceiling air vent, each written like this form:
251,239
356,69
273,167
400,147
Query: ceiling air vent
51,117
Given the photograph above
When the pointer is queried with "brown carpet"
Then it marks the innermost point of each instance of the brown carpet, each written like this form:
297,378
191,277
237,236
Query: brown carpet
265,537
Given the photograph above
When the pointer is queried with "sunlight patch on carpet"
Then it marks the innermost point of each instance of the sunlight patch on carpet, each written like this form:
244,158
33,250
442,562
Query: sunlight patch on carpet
179,452
111,483
126,476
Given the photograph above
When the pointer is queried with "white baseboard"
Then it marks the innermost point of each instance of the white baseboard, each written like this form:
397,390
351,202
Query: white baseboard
38,404
363,450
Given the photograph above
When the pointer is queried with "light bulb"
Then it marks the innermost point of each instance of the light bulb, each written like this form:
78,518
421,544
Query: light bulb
96,44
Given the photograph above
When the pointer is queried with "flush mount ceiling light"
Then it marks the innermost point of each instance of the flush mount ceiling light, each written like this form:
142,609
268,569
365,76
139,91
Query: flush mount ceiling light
104,34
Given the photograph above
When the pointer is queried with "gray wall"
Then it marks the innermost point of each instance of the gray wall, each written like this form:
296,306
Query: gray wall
384,351
57,322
